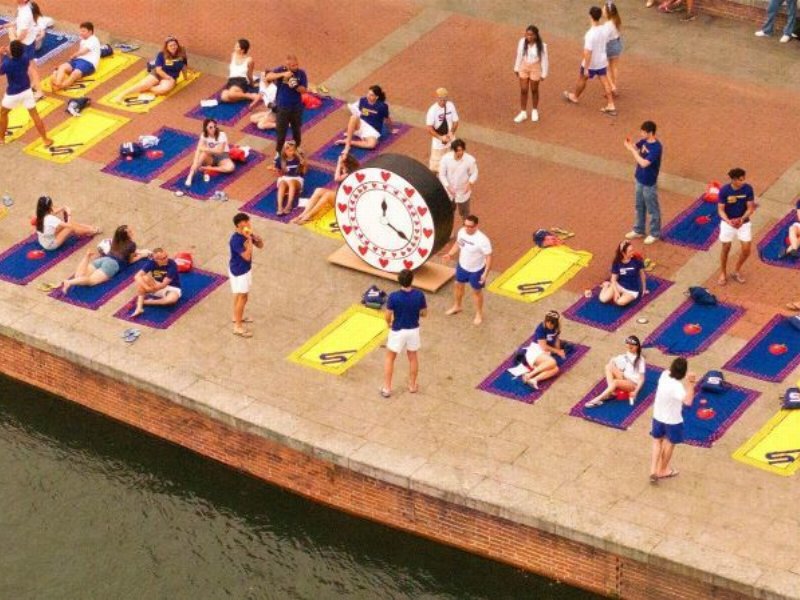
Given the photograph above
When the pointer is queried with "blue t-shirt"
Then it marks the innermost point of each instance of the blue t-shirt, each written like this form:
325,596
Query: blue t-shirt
170,66
406,306
291,167
16,70
797,204
629,274
159,273
543,333
649,151
373,114
734,202
285,96
238,265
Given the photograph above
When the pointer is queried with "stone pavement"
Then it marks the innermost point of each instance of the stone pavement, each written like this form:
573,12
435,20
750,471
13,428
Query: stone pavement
720,520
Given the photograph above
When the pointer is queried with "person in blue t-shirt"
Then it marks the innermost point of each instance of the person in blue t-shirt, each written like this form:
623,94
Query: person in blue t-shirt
19,91
735,205
545,354
292,83
240,273
628,278
367,120
647,153
157,283
292,168
403,311
167,67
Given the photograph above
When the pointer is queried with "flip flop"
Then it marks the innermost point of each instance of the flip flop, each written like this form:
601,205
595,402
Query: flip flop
385,393
593,403
48,287
567,97
611,112
413,390
722,280
649,265
737,277
562,233
672,473
244,333
653,478
793,306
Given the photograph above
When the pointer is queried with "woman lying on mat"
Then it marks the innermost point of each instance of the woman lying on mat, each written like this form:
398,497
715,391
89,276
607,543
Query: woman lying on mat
240,75
367,119
98,266
168,66
53,230
628,277
322,199
545,354
793,246
292,167
265,119
624,374
212,154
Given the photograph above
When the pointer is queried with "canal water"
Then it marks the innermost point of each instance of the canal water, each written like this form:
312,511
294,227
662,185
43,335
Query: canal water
90,508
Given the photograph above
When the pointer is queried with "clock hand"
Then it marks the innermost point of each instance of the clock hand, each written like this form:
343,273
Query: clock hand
399,233
384,206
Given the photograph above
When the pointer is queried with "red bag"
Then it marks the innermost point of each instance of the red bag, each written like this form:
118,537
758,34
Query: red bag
184,261
310,101
239,154
712,192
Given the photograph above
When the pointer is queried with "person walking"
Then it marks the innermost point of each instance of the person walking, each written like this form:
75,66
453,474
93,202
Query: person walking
403,311
474,252
19,91
772,11
292,82
240,270
647,153
613,27
735,205
441,123
458,172
675,390
531,66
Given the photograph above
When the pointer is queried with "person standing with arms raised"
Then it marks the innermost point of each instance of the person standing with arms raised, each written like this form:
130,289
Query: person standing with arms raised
292,82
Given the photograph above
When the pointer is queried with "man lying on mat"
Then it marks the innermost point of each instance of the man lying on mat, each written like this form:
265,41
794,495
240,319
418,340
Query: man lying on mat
158,283
545,354
628,278
168,66
81,64
51,230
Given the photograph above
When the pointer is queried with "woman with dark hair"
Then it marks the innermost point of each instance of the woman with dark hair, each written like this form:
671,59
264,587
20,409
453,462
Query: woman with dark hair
168,66
545,354
53,230
366,121
292,169
613,27
675,390
628,277
240,75
323,198
624,372
531,66
41,25
97,267
212,154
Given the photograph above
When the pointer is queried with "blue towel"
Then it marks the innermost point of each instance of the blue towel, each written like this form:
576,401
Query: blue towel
264,204
175,145
774,241
330,152
16,267
757,361
311,116
225,113
684,230
713,320
202,190
728,406
54,42
97,295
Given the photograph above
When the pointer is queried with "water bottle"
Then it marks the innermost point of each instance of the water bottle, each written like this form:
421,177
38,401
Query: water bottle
7,200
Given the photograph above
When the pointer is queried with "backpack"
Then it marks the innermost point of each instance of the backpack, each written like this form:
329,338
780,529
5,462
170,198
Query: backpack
106,50
76,105
794,321
185,262
791,399
374,297
714,382
130,149
310,101
701,295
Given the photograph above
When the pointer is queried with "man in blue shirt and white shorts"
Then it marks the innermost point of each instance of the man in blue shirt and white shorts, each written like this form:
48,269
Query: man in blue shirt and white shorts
19,91
735,206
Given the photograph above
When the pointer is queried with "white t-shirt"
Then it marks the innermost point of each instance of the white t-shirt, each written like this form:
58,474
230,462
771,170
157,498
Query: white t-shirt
47,237
436,114
531,56
595,40
612,33
474,250
625,363
221,141
668,405
268,92
456,174
25,21
93,55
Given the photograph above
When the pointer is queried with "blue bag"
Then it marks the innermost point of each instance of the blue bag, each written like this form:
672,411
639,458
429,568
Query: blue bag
791,399
131,149
714,382
701,295
106,50
374,297
794,321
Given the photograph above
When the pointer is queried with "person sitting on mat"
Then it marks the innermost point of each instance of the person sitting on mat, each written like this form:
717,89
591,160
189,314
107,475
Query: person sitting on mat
545,354
265,119
793,234
212,154
98,267
628,277
82,63
42,24
157,283
292,167
240,75
624,372
167,67
367,119
323,198
52,230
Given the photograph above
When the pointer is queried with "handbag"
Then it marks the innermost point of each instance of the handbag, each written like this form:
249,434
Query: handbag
444,126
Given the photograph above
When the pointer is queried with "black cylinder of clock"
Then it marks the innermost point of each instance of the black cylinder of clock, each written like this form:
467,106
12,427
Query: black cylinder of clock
393,213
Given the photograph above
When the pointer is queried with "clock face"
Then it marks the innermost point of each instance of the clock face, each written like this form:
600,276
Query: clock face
385,220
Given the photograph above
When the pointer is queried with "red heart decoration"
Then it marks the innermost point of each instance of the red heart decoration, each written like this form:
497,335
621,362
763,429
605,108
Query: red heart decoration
409,192
363,250
342,207
422,210
347,189
408,264
347,229
360,177
778,349
706,413
384,262
423,252
703,220
428,232
385,175
35,254
692,328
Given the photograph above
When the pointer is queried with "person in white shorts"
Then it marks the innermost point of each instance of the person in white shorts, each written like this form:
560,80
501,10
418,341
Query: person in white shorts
19,93
735,206
240,268
624,372
157,283
441,122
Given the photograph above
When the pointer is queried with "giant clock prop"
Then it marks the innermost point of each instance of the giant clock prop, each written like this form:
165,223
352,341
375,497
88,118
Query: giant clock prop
393,213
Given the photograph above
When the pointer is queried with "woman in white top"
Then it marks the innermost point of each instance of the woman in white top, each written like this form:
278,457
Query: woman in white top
240,75
42,23
613,26
531,66
212,154
265,119
54,227
624,372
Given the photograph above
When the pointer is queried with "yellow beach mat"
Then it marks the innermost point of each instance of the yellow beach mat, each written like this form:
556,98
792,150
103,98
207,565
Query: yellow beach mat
76,135
345,341
540,272
137,105
20,122
326,225
776,446
108,67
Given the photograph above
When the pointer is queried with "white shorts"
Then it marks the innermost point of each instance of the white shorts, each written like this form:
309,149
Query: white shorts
405,339
366,131
290,178
795,227
727,233
630,292
167,290
240,284
24,99
436,157
532,352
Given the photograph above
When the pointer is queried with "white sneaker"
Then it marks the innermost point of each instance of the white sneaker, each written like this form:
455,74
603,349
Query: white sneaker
650,240
521,117
534,115
632,235
206,177
761,33
785,38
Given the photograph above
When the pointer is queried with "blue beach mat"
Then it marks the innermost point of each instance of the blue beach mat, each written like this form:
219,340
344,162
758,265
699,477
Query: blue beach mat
757,361
330,152
225,113
502,383
590,311
670,337
53,44
311,116
96,296
264,204
684,230
195,285
775,240
202,190
725,408
16,267
175,145
619,413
